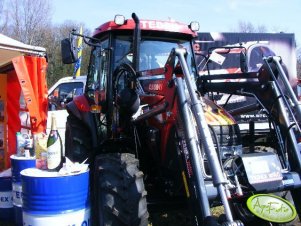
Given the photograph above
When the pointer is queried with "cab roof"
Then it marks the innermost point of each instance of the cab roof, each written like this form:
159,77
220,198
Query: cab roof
147,25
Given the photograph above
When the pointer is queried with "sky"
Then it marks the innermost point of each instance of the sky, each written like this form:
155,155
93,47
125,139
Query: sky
213,16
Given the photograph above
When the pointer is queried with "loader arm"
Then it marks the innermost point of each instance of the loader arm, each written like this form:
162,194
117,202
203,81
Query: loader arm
219,180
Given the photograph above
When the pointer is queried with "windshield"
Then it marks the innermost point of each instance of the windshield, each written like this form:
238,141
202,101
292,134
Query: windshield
153,52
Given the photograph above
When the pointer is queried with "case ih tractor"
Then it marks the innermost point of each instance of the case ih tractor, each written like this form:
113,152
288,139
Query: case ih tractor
155,140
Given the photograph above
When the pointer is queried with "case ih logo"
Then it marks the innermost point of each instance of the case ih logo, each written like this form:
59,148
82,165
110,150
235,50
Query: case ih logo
160,25
155,87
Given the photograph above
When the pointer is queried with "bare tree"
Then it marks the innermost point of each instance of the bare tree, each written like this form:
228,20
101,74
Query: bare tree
299,69
1,10
29,20
248,27
30,23
298,53
3,17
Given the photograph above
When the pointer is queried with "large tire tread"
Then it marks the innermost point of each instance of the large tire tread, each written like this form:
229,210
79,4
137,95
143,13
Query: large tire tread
78,141
120,192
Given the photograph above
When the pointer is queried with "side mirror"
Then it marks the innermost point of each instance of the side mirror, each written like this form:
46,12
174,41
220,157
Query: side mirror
68,52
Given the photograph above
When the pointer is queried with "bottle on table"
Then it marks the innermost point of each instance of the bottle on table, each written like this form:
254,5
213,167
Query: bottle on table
55,158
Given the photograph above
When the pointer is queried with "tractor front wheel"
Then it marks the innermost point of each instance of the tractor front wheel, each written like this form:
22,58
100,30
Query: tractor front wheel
119,193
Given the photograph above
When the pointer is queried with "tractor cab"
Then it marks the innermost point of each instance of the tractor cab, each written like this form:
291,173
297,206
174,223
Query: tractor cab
143,45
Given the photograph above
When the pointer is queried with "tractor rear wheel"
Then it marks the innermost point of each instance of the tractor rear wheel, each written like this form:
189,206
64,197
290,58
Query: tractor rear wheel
119,193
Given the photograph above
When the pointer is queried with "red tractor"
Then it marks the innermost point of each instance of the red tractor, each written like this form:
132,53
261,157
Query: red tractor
146,123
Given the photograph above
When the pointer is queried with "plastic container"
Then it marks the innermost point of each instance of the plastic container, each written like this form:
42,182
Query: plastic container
20,144
17,165
40,149
50,198
6,199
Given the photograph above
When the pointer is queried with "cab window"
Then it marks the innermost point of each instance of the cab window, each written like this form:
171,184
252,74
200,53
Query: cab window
123,52
98,72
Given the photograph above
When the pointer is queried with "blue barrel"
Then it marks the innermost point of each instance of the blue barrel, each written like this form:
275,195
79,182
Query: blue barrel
6,199
17,165
50,199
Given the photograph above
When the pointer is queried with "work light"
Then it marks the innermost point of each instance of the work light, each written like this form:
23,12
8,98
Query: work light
119,19
194,26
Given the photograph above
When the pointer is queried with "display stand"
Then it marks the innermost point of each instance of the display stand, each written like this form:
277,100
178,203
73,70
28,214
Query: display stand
23,94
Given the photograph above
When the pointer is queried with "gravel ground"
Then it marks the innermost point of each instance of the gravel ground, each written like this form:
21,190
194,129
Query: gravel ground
172,218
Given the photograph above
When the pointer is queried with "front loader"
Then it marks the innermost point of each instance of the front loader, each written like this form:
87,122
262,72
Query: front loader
276,98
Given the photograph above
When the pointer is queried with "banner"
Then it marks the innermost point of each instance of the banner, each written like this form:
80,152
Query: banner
79,54
221,54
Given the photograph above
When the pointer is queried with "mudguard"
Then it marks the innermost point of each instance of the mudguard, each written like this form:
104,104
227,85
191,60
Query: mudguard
80,108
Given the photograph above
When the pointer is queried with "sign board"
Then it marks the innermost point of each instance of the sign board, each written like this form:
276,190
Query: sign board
255,46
